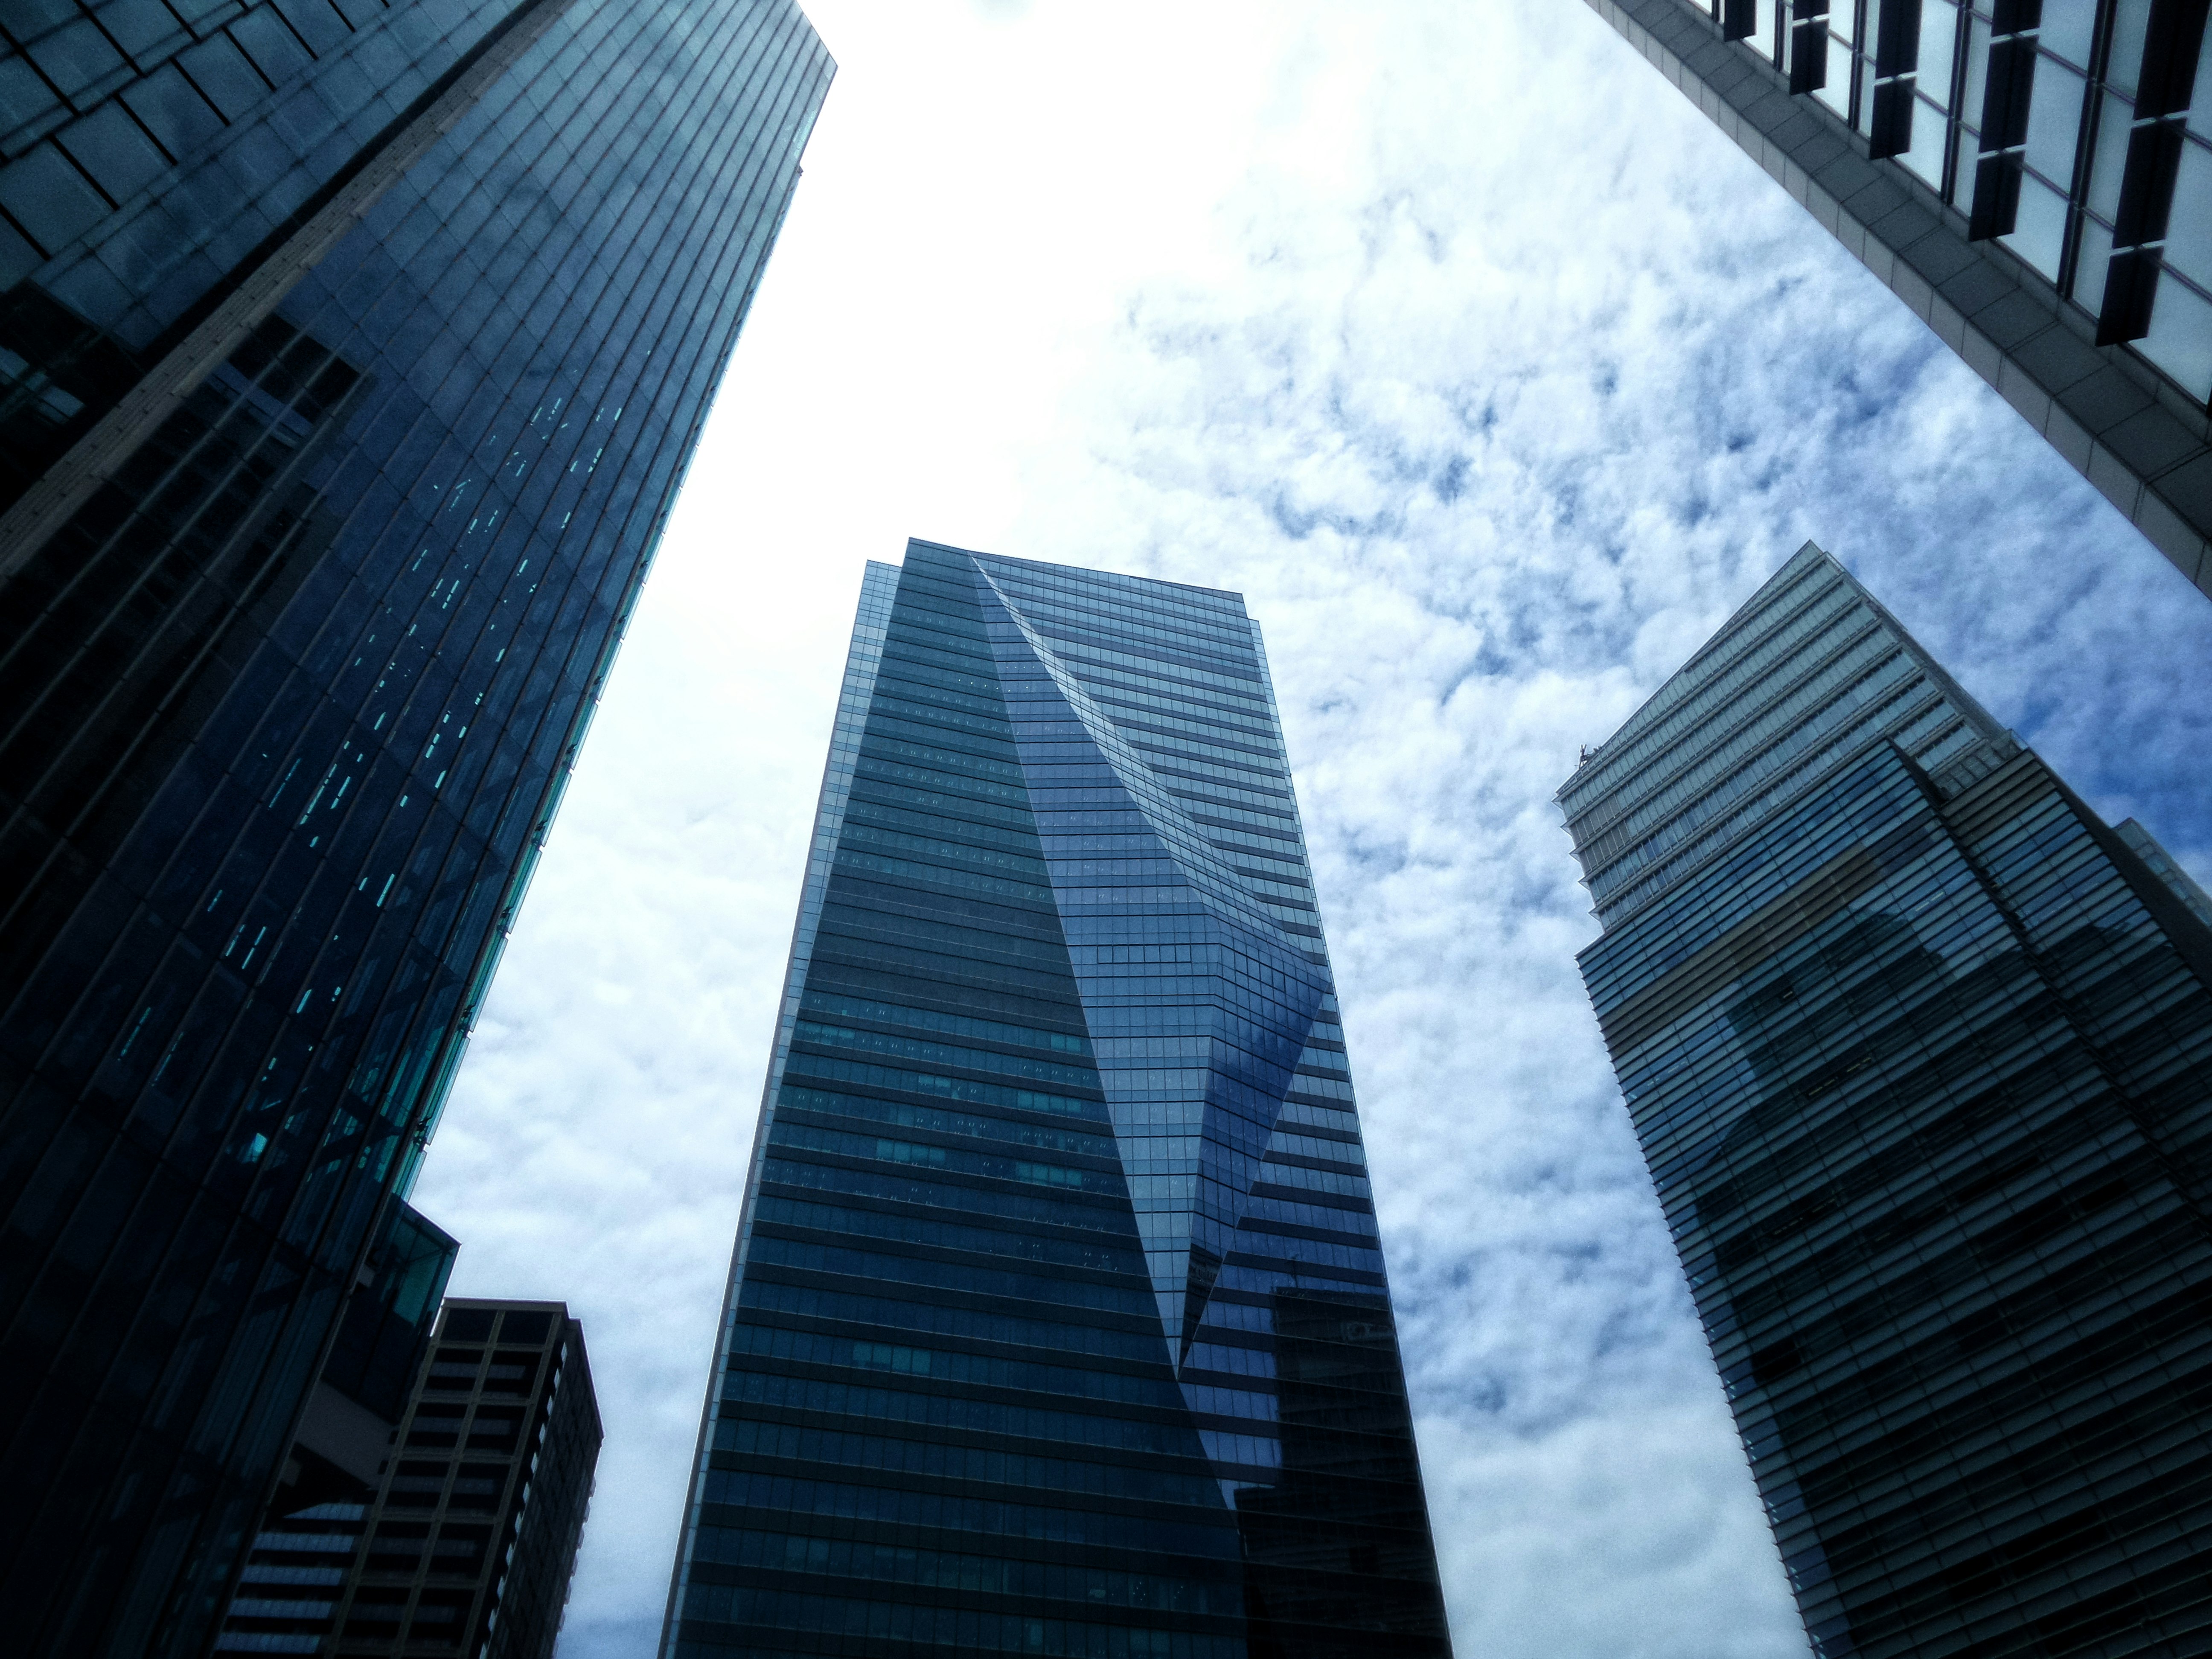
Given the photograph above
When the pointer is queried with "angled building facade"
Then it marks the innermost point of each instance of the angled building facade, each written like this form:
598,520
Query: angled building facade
2034,178
461,1539
1058,1322
1920,1054
350,357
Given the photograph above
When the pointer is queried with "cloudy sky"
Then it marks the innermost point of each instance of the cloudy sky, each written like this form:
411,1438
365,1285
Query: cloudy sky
1495,377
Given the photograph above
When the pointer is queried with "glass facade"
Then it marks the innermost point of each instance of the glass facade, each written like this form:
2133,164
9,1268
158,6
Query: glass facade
2078,131
1058,1321
464,1542
2034,178
341,431
1919,1051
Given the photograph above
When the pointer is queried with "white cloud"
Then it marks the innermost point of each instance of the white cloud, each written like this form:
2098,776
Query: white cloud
1495,377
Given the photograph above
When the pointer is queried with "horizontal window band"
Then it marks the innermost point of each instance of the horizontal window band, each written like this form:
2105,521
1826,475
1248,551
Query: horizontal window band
951,1140
1328,1102
1141,1390
902,1084
934,1214
1029,1609
1001,750
958,652
1081,1080
1263,1428
1318,1235
854,1374
1107,1206
924,876
944,1295
882,951
1029,868
992,737
1291,1126
889,1148
957,831
942,805
1004,1545
986,1491
891,751
970,1439
1212,736
867,1353
1308,1195
1232,1336
1326,1166
1290,1267
1011,1037
950,1195
1200,1375
856,904
1165,770
906,695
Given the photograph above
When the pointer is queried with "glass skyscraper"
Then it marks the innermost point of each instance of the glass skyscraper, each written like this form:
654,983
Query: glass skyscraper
350,353
2034,178
1057,1323
1919,1051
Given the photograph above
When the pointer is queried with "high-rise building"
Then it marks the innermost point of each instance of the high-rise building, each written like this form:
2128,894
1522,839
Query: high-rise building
350,353
2032,178
463,1540
1920,1054
1058,1321
345,1444
361,1395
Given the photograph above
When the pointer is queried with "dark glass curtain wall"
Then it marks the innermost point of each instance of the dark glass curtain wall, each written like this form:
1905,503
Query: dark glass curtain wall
288,693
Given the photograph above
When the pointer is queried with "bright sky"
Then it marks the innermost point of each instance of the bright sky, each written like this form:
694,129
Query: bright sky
1495,377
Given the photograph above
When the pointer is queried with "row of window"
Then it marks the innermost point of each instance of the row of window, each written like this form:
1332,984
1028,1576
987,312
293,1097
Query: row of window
1074,1251
2078,131
1112,1528
748,1435
1059,1290
959,1630
810,1347
1196,1591
745,1391
914,1187
930,1318
923,1050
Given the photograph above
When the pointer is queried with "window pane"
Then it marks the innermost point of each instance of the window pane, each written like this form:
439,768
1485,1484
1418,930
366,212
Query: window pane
2068,27
2091,265
2040,230
1977,73
2200,103
1762,38
2111,158
1939,33
2189,225
2180,338
1926,155
1837,94
2130,21
2054,121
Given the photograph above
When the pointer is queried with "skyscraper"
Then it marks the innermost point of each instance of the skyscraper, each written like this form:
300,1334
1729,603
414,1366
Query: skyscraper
464,1539
1920,1054
2034,178
352,354
1057,1322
